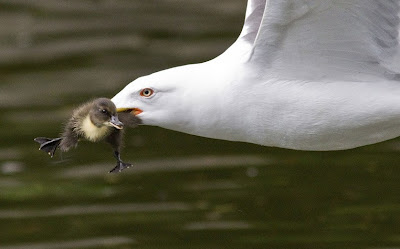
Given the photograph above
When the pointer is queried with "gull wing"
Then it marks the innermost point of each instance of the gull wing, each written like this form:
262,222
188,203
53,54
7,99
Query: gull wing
240,50
254,14
324,39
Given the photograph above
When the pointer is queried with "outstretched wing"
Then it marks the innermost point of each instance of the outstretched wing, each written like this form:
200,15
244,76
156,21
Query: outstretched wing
324,39
241,49
254,14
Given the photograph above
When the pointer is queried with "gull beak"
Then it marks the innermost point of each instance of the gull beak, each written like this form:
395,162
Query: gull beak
114,121
134,111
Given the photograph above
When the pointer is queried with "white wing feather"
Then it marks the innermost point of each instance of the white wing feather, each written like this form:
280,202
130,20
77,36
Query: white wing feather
324,39
254,14
241,49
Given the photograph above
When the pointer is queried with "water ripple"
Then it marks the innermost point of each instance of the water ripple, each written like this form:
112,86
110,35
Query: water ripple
172,164
82,243
95,209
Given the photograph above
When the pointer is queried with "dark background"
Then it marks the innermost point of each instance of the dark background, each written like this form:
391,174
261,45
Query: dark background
184,191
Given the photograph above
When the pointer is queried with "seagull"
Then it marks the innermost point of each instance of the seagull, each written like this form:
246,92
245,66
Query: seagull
314,75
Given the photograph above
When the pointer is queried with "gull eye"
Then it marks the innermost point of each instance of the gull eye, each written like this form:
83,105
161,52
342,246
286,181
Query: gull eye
146,92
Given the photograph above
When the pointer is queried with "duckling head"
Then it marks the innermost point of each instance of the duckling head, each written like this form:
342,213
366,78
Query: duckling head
104,113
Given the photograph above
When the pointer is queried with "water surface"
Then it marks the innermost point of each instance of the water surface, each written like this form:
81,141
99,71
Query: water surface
185,191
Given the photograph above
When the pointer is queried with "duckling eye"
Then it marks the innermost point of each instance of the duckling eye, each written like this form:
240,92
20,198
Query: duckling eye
104,111
146,92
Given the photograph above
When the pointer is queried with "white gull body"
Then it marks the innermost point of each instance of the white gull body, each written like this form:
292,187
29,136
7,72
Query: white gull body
303,74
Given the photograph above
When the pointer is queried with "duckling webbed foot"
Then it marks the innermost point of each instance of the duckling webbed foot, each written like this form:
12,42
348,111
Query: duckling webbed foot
120,164
48,145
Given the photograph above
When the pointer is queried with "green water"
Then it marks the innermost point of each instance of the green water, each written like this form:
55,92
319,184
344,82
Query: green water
184,191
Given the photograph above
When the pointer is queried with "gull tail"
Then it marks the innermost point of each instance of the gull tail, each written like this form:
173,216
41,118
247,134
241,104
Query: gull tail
49,145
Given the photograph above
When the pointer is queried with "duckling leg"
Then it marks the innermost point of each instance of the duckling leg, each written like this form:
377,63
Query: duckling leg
115,140
120,164
48,145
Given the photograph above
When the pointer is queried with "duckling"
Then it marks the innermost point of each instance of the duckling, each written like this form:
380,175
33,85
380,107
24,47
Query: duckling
94,121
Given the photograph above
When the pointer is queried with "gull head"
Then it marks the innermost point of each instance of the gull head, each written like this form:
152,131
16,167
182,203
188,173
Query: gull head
191,99
157,99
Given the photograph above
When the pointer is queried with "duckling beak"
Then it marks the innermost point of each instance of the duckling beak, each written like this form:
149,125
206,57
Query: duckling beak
114,121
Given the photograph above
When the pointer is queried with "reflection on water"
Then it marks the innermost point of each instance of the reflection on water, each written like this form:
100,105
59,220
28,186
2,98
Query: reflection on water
184,191
81,243
93,210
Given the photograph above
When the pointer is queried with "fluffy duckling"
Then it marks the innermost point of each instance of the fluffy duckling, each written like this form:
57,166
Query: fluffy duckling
94,121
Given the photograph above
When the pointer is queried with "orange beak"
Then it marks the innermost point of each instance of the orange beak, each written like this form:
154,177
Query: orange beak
134,111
